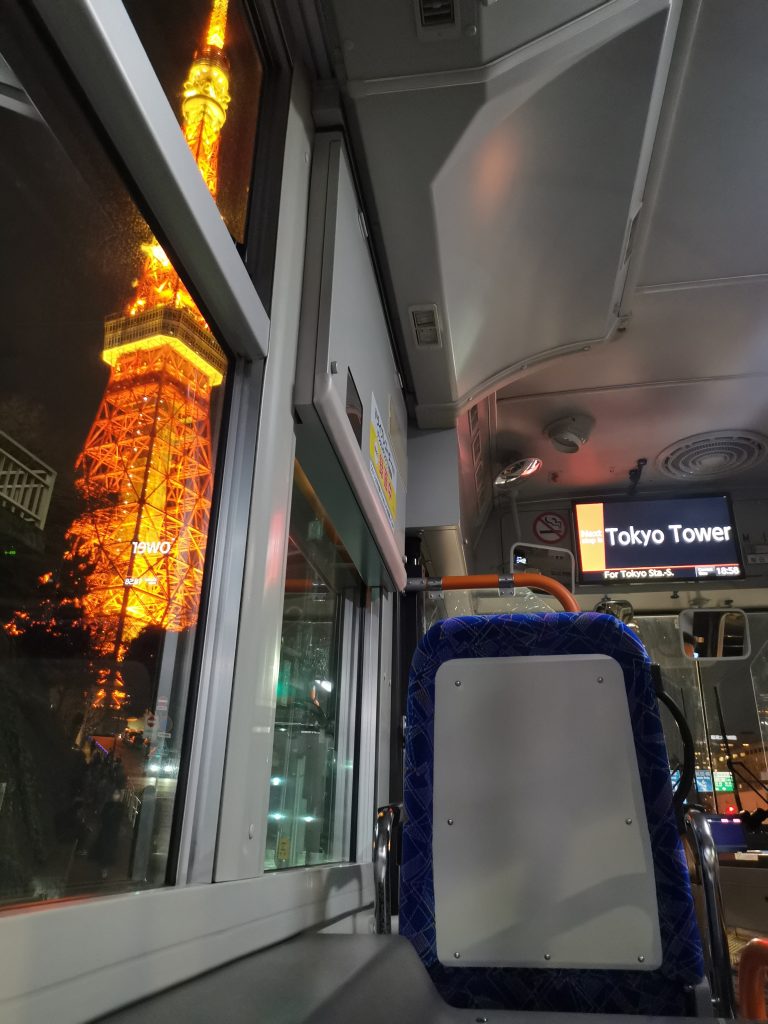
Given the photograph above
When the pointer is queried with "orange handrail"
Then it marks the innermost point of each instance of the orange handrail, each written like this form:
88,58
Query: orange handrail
486,582
550,586
298,586
490,581
753,973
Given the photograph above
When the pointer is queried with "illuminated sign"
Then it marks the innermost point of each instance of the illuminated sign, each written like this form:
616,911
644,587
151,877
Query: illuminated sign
151,547
723,782
703,781
656,540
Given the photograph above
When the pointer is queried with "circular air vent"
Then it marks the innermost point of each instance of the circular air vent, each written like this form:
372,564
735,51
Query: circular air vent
709,456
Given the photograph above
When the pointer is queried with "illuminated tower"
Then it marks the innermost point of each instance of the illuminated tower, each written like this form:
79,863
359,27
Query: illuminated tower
145,472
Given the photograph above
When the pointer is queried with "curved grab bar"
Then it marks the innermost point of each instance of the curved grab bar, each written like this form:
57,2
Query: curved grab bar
688,771
705,853
753,973
492,582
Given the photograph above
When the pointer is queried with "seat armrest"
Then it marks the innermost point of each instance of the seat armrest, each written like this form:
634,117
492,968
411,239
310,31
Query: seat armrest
388,820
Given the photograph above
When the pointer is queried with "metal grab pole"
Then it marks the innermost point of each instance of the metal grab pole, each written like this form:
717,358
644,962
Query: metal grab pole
728,756
387,821
721,980
493,582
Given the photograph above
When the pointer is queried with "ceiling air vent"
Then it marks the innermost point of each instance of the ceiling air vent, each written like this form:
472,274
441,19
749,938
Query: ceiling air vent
710,456
437,13
425,324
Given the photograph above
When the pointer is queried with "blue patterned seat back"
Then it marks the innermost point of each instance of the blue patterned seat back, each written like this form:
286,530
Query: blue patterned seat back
659,992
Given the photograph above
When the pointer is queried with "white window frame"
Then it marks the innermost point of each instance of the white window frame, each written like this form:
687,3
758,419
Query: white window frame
98,41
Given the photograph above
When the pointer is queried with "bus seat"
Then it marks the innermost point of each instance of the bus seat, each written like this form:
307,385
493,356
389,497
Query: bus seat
541,864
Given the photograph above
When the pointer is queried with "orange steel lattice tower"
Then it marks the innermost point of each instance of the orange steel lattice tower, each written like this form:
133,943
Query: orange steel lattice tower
145,472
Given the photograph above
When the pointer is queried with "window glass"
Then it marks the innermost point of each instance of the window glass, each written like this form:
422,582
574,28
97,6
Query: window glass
734,704
110,400
661,639
205,56
722,703
312,776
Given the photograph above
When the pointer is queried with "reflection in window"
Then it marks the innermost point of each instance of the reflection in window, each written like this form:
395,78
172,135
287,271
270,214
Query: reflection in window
312,778
215,94
661,639
106,475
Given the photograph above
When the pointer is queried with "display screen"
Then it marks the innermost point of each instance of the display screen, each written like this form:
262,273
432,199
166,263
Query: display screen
703,781
727,833
646,541
723,782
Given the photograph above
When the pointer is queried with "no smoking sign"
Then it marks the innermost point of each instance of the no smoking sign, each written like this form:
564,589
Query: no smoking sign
550,528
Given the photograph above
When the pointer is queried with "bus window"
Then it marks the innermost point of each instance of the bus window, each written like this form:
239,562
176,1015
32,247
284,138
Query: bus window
312,772
110,402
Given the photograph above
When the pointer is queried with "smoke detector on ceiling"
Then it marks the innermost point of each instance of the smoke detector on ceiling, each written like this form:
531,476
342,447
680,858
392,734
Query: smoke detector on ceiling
713,455
570,434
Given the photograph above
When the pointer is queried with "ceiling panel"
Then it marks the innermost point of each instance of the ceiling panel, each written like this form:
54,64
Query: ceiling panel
531,218
674,334
711,216
631,422
379,40
505,202
694,357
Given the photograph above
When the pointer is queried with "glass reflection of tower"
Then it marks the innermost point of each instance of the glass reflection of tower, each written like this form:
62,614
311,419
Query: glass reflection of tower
145,472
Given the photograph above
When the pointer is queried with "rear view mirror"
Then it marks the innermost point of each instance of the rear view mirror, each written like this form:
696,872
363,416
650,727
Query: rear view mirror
714,633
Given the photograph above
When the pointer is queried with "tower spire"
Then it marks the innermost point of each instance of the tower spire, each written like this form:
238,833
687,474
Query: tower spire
204,104
217,24
206,97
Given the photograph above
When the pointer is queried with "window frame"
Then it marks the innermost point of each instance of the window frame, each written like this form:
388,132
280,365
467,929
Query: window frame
203,750
261,222
97,40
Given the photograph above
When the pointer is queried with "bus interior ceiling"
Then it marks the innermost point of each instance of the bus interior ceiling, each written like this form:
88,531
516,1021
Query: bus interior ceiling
580,208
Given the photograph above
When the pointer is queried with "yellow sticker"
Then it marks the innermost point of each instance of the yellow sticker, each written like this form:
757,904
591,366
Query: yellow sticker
284,848
382,465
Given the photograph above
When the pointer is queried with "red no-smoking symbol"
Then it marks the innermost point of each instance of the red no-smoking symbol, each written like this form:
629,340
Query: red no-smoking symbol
550,527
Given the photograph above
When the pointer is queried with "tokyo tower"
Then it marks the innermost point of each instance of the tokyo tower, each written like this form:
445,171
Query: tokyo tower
145,472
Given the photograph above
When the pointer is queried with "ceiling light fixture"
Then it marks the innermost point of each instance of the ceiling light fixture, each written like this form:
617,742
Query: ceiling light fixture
517,470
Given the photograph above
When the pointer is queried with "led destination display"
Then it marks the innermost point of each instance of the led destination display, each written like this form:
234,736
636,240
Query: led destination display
656,540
